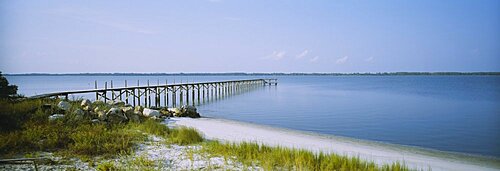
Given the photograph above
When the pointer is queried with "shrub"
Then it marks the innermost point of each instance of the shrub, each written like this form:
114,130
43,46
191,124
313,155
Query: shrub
6,90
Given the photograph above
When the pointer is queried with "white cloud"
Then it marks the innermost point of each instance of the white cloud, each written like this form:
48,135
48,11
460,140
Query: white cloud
303,54
314,59
342,60
277,55
369,59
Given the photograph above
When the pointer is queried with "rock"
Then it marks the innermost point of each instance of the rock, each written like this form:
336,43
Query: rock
116,103
150,112
176,111
190,108
115,115
79,112
186,111
134,118
114,111
139,109
127,110
165,112
131,114
64,105
87,108
55,117
97,109
95,121
101,115
85,103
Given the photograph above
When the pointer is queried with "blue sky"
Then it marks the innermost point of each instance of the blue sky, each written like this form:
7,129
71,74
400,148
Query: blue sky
249,36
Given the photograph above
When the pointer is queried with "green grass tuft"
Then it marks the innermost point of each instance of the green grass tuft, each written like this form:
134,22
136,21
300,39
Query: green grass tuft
184,136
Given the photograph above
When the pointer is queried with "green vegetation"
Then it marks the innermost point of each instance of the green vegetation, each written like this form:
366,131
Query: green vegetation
185,136
6,90
28,129
280,158
25,128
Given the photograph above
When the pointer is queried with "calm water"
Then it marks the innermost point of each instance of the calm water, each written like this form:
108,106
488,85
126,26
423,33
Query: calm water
449,113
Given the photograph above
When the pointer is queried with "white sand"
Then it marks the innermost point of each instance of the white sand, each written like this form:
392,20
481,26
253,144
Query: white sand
380,153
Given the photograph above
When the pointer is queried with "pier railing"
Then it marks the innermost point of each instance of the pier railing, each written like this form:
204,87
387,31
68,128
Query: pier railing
168,94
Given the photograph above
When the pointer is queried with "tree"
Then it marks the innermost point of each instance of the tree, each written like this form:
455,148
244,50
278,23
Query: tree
6,90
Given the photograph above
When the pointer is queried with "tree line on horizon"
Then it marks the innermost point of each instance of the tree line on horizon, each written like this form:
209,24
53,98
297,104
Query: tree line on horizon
264,74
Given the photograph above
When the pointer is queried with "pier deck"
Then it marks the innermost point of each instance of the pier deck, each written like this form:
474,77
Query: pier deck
168,94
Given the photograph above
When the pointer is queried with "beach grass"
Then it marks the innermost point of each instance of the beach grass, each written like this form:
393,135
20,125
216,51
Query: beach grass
282,158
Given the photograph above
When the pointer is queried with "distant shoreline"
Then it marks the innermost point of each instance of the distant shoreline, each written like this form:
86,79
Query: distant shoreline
260,74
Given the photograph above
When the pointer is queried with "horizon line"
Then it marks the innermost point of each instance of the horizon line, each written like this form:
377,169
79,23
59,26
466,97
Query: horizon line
267,73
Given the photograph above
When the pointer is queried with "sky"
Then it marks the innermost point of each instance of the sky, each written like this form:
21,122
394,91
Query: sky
249,36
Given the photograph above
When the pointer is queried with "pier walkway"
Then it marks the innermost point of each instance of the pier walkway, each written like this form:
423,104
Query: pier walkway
167,94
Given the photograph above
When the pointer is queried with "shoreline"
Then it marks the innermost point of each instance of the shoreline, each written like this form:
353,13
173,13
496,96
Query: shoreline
378,152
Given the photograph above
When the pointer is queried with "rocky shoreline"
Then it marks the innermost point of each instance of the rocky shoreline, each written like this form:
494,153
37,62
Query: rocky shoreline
117,111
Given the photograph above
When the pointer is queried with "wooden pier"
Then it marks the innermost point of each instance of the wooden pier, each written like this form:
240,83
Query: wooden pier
166,94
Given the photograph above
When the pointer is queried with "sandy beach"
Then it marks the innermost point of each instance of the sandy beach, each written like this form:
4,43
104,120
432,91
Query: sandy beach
380,153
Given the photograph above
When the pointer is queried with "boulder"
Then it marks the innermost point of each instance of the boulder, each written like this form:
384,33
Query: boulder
79,112
186,111
115,115
101,115
165,112
55,117
131,114
64,105
127,109
174,110
85,103
139,109
116,103
87,108
134,118
95,121
114,111
150,112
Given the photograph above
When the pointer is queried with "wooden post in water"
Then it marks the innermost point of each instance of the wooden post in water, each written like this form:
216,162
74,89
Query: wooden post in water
112,92
138,94
105,91
157,94
96,93
187,93
126,92
165,96
199,94
148,95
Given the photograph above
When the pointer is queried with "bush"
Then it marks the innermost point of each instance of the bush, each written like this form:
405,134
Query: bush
6,90
93,140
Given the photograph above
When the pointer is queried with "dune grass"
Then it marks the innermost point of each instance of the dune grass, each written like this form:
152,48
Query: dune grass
281,158
184,136
25,128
